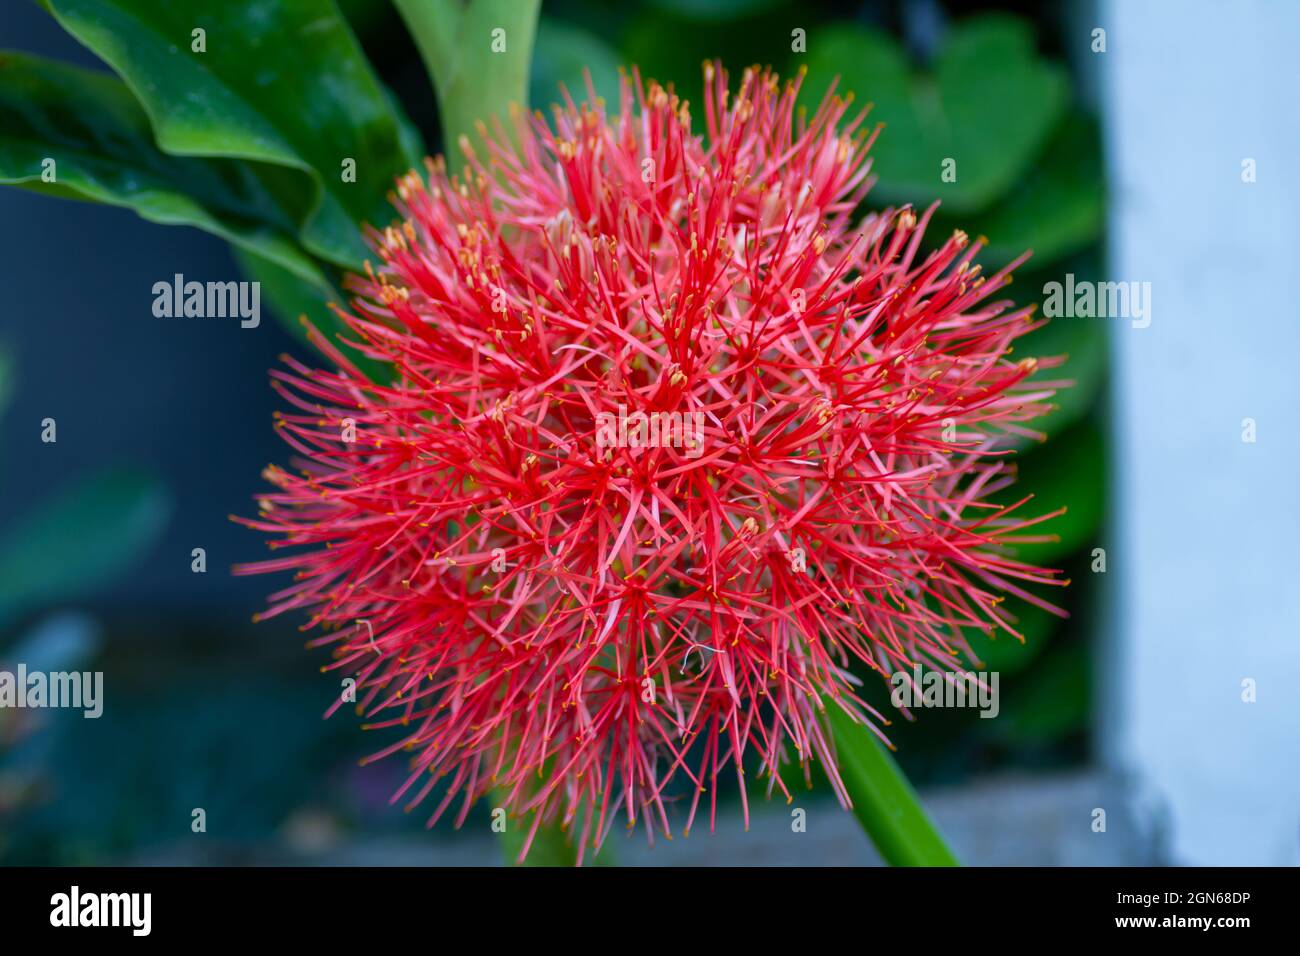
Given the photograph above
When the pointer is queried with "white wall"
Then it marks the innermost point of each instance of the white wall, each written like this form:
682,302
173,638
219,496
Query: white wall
1205,553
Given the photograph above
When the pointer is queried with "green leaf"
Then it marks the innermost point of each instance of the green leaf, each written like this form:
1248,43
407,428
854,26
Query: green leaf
883,801
1069,471
67,545
1057,210
291,298
283,84
562,54
102,147
990,104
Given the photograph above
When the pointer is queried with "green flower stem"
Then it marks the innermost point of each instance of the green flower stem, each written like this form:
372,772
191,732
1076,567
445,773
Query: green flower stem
478,54
883,801
551,846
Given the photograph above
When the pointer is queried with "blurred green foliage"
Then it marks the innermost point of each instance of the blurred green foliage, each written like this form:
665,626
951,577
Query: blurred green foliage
75,540
63,549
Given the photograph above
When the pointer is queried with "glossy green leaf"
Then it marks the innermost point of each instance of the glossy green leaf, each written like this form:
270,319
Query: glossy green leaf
69,543
562,55
99,140
990,104
290,299
883,801
284,84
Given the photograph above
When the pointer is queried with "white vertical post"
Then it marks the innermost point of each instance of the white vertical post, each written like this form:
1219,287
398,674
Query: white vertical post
1205,555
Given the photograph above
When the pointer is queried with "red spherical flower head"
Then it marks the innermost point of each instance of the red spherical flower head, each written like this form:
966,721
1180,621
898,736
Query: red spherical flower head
670,444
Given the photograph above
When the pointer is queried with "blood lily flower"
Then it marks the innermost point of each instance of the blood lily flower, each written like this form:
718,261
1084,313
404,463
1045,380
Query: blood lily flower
670,444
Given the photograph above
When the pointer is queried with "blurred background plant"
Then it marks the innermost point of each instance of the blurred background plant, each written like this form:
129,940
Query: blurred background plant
65,547
207,713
